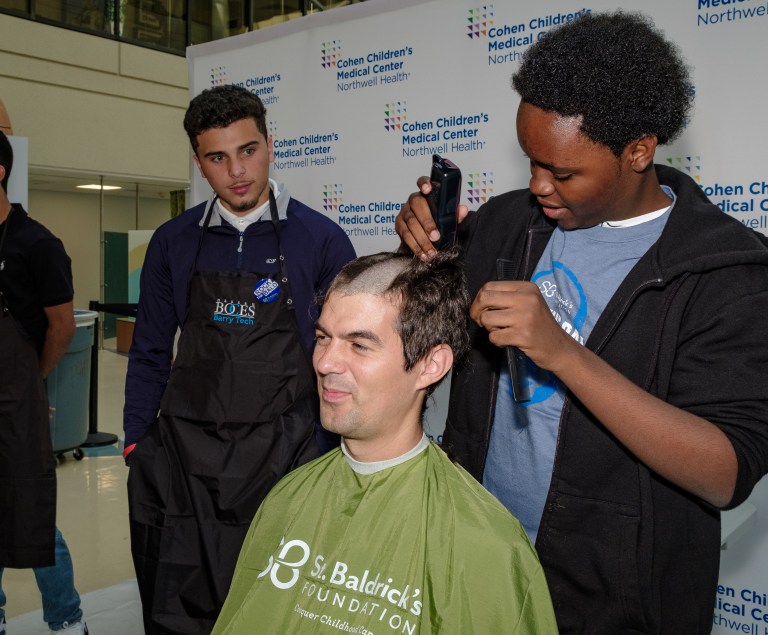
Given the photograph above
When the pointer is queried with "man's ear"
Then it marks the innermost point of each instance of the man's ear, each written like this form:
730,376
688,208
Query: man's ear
640,152
435,365
197,163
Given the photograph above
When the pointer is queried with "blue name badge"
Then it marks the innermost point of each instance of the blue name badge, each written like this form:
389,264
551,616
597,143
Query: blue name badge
266,290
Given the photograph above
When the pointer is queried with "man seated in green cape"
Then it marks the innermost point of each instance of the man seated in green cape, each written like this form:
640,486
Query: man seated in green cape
386,534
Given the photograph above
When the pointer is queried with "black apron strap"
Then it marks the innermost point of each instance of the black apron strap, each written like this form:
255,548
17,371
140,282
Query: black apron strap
275,217
283,265
193,268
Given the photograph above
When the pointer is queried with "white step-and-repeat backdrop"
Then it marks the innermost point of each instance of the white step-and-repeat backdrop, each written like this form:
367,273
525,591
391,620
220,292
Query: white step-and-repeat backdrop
359,98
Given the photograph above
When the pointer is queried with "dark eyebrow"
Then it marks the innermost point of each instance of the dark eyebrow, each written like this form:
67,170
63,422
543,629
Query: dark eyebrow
363,335
353,335
242,147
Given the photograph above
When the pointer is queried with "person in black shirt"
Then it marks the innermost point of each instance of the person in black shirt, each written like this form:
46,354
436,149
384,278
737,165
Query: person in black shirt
36,326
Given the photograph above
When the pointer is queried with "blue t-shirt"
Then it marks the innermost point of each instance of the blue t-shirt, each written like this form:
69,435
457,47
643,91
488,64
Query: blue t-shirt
577,275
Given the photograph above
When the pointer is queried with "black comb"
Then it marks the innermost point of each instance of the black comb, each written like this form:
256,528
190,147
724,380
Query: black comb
507,270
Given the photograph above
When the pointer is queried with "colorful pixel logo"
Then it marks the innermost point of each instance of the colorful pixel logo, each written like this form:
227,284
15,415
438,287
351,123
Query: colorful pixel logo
272,129
219,76
689,164
394,115
479,187
332,197
479,20
331,52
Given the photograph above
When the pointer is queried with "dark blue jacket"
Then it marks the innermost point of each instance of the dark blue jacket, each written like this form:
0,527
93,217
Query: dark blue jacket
315,249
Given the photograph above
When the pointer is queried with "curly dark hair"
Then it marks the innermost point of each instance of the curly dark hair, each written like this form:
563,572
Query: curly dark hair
221,106
617,71
432,297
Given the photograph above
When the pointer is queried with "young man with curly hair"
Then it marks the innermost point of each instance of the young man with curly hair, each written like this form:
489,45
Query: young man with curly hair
207,437
635,302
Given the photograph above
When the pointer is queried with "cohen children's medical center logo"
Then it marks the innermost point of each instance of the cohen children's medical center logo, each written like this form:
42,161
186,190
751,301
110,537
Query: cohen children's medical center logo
443,134
265,86
691,165
394,115
332,197
330,52
746,200
364,218
360,69
310,148
218,76
507,41
479,187
479,20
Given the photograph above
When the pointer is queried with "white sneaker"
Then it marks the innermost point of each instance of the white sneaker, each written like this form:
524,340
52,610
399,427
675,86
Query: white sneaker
2,626
77,628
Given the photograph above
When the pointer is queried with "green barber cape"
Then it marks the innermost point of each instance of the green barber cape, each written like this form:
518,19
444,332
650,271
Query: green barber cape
420,547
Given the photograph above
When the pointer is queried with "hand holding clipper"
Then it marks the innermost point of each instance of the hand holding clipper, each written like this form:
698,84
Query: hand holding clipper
444,199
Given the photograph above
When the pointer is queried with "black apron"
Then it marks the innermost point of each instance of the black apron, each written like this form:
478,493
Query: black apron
238,413
27,466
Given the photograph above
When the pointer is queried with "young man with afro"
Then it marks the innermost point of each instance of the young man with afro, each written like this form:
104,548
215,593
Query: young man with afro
636,303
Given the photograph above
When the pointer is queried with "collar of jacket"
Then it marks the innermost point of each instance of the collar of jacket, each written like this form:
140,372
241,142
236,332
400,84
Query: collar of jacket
282,199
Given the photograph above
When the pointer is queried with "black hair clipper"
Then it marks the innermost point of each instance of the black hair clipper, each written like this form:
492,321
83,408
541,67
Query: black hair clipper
444,199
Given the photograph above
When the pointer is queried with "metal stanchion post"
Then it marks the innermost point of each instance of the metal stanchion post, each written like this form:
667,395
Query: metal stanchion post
96,438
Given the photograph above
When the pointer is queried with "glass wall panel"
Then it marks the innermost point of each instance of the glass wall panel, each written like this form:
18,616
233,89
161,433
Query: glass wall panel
92,15
158,22
268,12
216,19
50,10
171,25
15,5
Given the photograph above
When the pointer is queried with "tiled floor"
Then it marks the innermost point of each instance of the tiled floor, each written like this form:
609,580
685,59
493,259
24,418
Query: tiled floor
93,517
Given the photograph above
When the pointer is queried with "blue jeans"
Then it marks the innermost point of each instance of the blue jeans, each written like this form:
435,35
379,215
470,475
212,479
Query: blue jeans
61,603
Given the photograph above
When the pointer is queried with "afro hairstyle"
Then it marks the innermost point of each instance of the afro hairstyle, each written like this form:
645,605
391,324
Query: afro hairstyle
616,71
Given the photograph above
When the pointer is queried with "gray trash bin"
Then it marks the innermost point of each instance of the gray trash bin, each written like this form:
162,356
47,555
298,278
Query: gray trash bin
69,388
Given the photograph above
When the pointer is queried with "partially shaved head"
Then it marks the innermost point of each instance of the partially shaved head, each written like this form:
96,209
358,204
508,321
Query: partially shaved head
373,274
432,298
